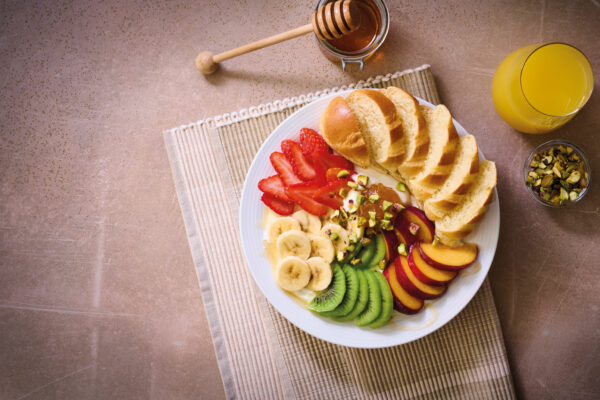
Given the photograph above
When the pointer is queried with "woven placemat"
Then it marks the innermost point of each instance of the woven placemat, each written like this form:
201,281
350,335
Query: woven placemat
260,354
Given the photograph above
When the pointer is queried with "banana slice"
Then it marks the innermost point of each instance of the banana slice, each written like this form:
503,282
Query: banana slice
309,223
280,225
354,228
331,230
321,274
293,243
292,273
320,246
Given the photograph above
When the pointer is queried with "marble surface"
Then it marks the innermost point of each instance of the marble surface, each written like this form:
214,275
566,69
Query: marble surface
98,295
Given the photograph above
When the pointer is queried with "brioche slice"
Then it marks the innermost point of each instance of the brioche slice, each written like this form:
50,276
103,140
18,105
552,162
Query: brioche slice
466,166
381,128
416,137
339,128
443,141
461,221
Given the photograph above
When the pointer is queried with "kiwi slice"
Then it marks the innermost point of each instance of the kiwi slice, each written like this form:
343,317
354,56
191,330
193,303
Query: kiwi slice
366,254
351,295
361,299
379,251
373,308
357,248
387,302
331,297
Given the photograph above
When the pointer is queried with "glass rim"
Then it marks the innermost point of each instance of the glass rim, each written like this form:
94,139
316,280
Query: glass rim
521,80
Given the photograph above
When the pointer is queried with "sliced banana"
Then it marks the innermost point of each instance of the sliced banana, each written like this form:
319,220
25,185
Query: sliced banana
281,225
321,274
321,246
309,223
294,243
292,273
354,228
340,239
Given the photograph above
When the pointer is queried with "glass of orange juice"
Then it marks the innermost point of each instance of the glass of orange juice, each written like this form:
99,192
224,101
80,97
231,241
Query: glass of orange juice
540,87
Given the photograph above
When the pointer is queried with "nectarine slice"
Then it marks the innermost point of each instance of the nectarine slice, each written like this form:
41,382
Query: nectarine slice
425,272
404,302
412,285
448,258
426,230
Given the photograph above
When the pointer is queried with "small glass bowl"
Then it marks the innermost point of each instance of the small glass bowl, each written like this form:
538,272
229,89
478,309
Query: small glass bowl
545,146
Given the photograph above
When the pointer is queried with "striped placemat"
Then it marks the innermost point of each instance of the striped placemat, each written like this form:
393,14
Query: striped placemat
260,354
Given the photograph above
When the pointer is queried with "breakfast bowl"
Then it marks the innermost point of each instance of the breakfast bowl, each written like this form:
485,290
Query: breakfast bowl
557,173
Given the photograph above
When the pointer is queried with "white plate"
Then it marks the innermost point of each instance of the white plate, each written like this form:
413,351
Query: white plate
403,328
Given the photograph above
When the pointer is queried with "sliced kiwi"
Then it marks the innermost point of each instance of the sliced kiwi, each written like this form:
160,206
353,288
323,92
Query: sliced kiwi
387,302
379,250
361,300
366,254
331,297
351,295
373,309
357,248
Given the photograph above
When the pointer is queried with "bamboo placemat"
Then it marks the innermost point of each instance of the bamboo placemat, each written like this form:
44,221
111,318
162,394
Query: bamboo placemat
260,354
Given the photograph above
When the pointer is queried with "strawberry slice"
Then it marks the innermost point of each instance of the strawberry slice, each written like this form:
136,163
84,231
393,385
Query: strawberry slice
277,205
312,142
284,169
328,194
332,173
322,161
302,193
300,164
273,185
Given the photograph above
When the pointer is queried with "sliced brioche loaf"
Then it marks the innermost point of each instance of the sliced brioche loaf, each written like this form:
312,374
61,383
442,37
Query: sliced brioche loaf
461,221
443,141
339,128
381,128
466,166
416,137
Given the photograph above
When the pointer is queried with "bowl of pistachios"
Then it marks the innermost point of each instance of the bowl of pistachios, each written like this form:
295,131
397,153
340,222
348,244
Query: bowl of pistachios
557,173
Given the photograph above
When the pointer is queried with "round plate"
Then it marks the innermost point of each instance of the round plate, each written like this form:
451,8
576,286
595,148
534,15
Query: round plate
403,328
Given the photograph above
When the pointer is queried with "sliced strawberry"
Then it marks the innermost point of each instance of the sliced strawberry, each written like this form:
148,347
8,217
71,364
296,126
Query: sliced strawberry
332,173
328,194
274,186
284,169
311,141
300,164
322,161
277,205
302,194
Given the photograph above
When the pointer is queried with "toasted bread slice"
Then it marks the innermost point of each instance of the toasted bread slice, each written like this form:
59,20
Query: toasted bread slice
443,140
461,221
466,166
416,137
381,128
339,128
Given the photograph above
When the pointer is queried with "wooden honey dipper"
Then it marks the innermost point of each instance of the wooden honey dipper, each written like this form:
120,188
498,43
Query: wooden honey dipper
331,21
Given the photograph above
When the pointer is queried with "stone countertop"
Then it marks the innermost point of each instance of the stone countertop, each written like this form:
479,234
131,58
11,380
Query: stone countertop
98,295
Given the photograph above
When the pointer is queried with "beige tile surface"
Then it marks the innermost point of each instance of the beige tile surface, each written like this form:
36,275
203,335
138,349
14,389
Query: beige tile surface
98,296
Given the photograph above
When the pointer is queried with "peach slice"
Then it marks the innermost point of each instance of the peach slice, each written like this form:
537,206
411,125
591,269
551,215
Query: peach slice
448,258
404,302
391,245
425,272
412,285
414,215
402,233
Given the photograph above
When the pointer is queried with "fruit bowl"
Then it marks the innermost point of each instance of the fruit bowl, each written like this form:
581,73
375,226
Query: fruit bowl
403,328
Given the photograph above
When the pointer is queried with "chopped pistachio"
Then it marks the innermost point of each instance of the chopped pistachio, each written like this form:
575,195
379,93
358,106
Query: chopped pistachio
385,224
564,195
350,248
353,208
365,241
372,214
542,165
355,261
537,183
574,177
382,264
397,207
374,198
352,185
386,205
413,228
548,159
360,199
556,172
334,236
436,241
361,221
340,255
573,195
547,181
353,237
569,150
362,180
583,183
402,250
534,163
343,192
388,215
533,174
372,223
401,187
343,173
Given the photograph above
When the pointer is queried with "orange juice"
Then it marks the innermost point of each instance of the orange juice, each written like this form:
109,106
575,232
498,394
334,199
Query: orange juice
538,88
